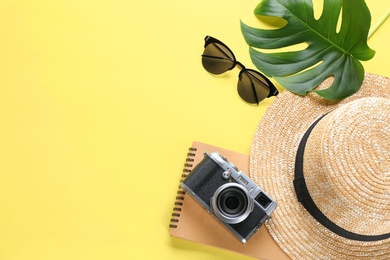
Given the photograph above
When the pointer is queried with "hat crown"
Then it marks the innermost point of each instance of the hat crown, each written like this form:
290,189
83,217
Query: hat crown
347,166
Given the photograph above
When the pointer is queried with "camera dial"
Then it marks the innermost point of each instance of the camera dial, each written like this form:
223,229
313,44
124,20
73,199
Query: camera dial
226,174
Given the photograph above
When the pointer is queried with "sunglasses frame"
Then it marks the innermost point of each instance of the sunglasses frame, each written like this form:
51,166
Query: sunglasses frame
273,91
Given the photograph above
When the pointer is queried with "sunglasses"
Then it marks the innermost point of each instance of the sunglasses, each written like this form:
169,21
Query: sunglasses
252,86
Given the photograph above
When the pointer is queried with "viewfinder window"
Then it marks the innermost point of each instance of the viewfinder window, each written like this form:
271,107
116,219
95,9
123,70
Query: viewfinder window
263,200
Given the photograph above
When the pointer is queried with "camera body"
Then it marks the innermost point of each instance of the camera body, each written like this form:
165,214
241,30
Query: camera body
229,195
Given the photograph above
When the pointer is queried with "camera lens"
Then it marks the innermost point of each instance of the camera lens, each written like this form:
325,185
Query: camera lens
232,203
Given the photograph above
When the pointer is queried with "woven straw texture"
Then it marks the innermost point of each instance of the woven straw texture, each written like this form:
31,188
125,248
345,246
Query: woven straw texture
349,180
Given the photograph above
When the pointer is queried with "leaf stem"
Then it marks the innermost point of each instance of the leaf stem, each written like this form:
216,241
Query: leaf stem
381,21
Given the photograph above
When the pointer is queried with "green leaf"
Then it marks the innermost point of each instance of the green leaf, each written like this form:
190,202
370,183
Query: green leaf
329,53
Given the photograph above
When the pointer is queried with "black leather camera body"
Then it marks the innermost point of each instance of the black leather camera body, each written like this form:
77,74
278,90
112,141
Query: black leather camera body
229,195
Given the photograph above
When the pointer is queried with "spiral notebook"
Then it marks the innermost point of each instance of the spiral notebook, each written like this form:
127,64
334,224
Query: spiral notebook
190,221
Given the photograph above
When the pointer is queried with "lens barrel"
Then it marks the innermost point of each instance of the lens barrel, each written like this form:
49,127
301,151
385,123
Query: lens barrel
232,203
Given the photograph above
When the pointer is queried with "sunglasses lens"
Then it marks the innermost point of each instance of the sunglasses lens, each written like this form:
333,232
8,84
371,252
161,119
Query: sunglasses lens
217,59
252,87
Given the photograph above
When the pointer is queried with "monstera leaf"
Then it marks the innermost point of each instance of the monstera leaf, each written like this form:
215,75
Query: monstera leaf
329,52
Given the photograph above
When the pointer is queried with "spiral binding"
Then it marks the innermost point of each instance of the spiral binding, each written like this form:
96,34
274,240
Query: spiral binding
180,193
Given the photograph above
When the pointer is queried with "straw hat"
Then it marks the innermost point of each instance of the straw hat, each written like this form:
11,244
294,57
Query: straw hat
342,171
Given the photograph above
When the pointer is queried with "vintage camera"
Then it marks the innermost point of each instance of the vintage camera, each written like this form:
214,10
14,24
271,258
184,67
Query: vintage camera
229,195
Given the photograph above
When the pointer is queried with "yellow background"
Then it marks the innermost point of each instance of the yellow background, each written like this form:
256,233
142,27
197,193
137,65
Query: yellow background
99,101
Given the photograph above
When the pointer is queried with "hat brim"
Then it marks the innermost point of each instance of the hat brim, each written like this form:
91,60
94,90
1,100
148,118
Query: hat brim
272,161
